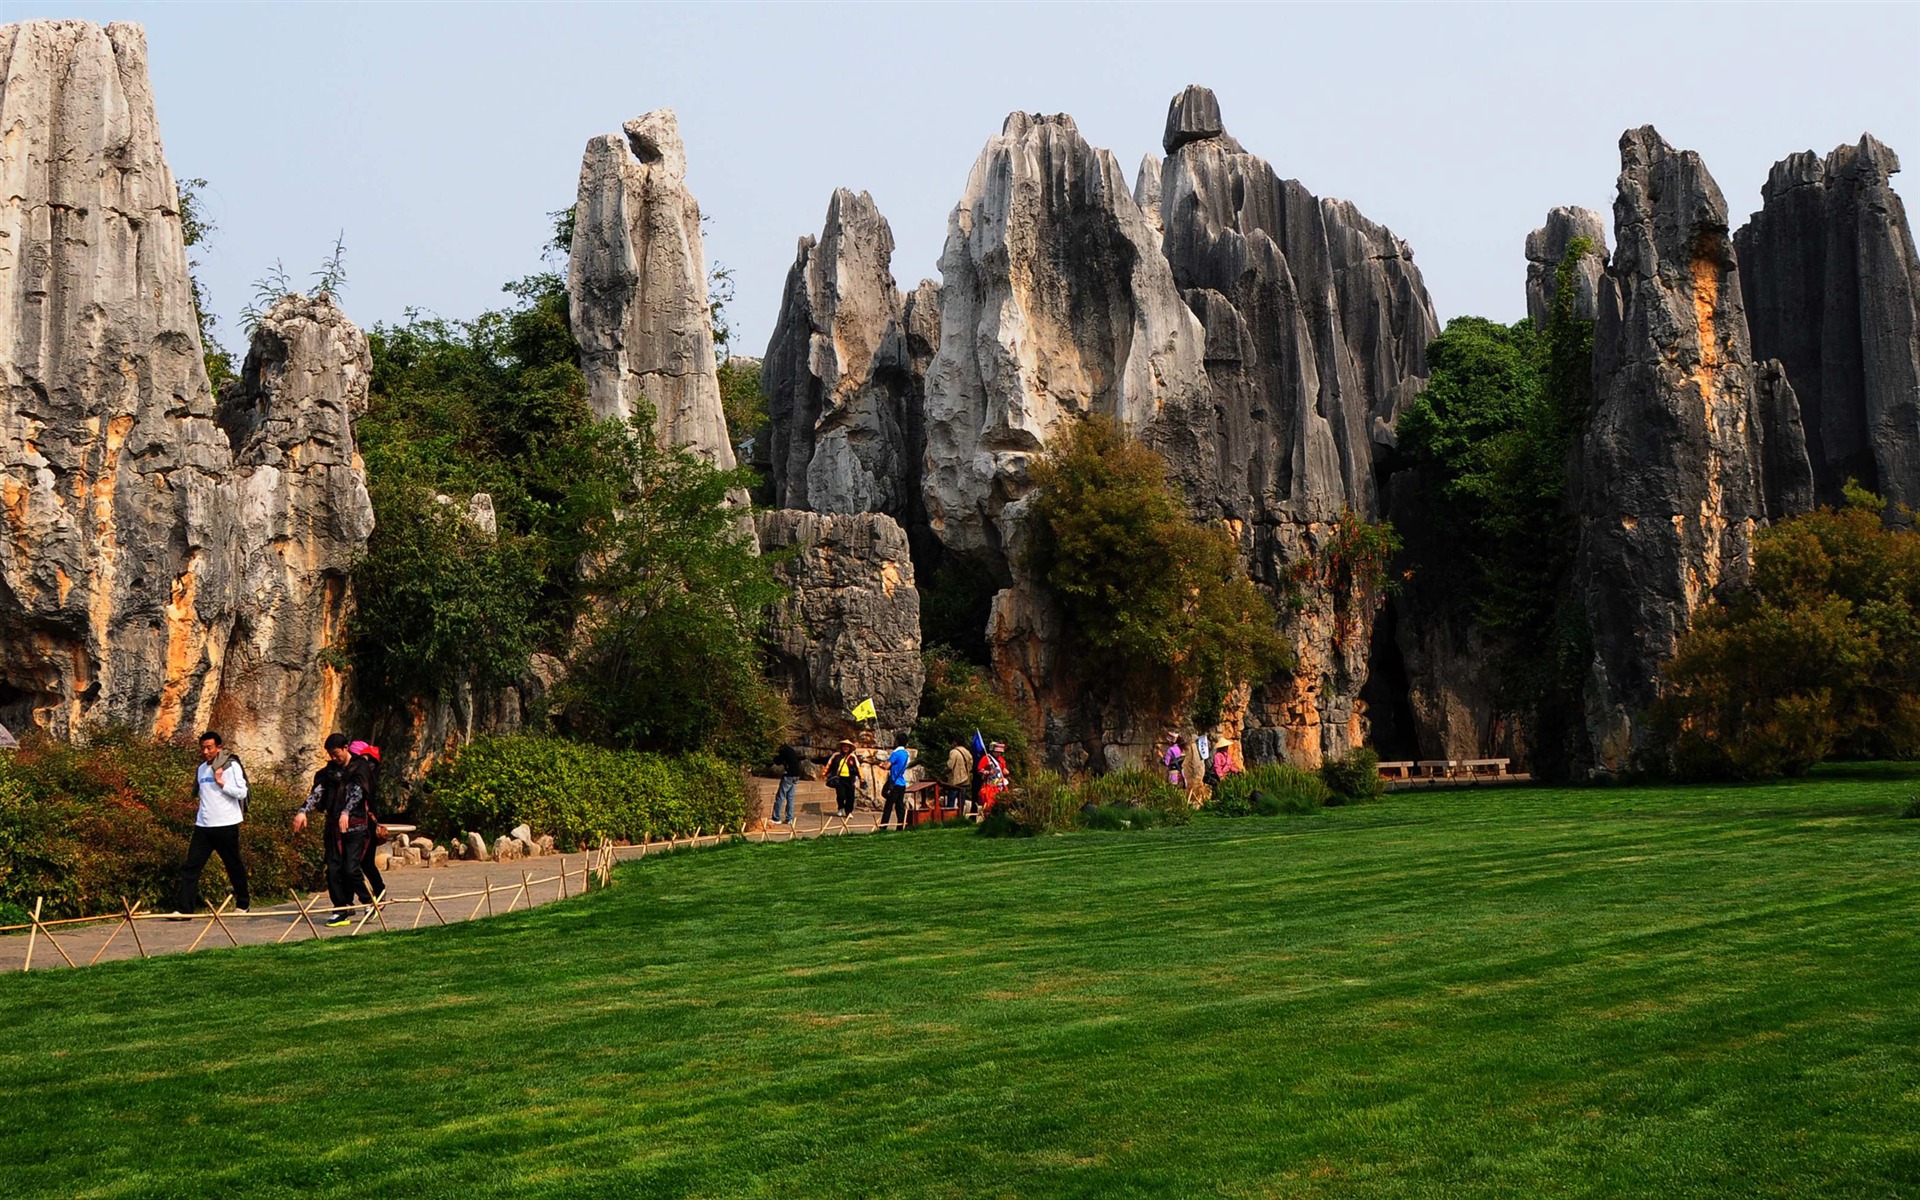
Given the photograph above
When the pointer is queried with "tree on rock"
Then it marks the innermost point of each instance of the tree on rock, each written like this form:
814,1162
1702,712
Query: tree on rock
1159,602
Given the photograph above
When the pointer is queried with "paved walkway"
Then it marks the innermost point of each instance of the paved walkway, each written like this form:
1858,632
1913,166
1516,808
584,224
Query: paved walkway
459,893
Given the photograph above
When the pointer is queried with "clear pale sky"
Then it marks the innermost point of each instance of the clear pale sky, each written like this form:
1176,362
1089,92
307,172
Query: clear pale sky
438,137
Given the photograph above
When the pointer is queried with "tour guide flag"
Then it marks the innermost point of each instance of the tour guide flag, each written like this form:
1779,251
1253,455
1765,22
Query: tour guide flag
863,711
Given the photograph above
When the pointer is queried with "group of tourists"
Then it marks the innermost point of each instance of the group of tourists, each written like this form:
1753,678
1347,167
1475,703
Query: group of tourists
344,792
1199,760
974,778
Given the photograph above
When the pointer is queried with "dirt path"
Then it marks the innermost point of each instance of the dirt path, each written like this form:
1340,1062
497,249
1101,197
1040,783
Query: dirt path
453,893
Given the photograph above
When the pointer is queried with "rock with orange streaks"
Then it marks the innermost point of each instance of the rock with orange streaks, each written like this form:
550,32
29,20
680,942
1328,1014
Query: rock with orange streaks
166,562
111,460
1671,481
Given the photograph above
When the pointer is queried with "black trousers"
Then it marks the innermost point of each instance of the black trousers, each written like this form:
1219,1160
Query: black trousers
344,852
223,840
896,797
843,796
372,884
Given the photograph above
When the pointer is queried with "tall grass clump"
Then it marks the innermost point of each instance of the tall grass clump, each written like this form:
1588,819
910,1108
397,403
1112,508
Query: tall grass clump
1268,790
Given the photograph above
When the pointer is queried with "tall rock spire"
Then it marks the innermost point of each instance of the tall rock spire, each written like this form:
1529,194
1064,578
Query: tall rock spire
164,562
1833,292
1317,324
1055,303
1672,474
637,286
843,374
109,454
1547,245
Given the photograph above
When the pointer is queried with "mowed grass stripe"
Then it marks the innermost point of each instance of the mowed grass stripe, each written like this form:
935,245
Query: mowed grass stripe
1525,993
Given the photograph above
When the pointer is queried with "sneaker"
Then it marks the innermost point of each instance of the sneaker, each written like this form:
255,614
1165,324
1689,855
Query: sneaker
243,909
339,921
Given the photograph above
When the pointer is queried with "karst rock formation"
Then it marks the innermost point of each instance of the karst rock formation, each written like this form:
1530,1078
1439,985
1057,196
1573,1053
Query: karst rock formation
302,515
1055,303
1547,246
166,562
170,560
844,373
1671,482
637,288
849,629
1316,324
1833,292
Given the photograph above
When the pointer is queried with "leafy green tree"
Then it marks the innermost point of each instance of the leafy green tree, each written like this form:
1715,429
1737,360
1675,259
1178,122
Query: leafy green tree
1492,537
1820,656
669,655
741,400
496,405
1158,602
959,699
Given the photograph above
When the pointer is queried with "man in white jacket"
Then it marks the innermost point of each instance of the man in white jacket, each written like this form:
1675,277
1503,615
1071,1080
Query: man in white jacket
222,790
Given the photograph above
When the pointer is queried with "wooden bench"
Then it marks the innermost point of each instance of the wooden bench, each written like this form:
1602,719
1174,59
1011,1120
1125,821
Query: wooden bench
1486,766
1434,768
1395,770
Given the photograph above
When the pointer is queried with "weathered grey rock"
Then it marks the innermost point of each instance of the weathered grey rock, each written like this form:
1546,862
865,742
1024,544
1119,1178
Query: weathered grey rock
506,849
302,518
843,392
850,629
1146,189
167,564
1316,323
1670,484
521,833
437,857
1055,304
1786,469
110,459
543,844
1192,116
1833,291
477,848
1547,245
637,288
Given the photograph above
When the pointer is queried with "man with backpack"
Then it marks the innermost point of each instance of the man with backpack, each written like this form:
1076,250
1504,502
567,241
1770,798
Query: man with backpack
791,768
340,794
220,792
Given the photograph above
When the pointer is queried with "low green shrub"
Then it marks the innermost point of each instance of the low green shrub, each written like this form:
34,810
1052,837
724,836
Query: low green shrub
1268,790
86,826
1045,803
1353,777
580,793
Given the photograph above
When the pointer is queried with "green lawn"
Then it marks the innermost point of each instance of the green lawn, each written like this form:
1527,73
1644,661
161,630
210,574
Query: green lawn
1628,992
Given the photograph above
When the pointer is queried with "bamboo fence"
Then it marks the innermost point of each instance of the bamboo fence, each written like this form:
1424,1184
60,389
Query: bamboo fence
595,872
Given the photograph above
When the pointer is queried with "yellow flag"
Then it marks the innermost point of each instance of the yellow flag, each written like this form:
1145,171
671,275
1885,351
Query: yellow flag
863,711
